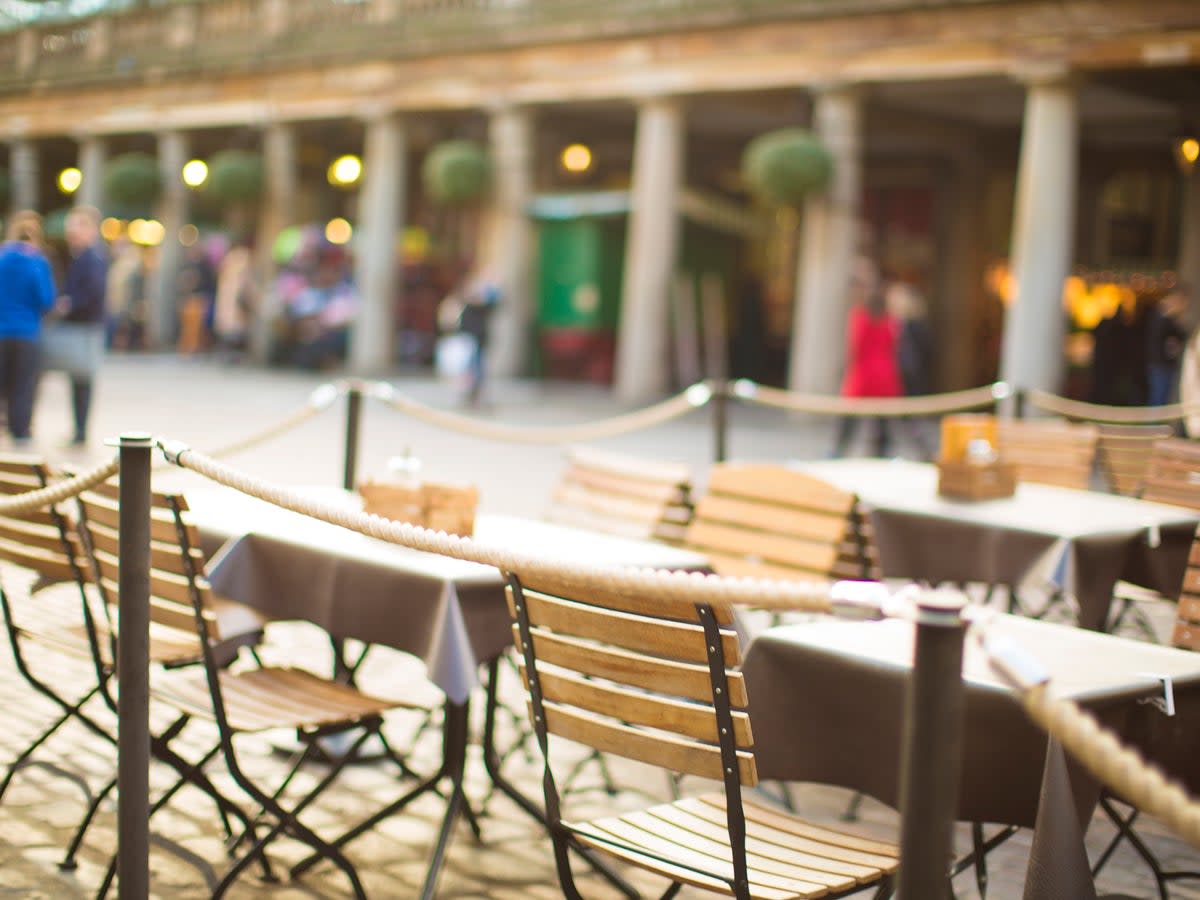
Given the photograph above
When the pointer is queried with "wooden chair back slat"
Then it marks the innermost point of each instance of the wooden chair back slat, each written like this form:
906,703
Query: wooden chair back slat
1124,453
637,684
40,540
769,521
1174,473
639,633
681,610
1049,452
163,557
104,511
1186,634
623,495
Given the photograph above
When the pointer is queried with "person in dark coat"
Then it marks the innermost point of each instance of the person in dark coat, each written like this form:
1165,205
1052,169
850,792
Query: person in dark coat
81,308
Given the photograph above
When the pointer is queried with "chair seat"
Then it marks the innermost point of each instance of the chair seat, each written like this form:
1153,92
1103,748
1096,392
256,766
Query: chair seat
788,858
274,697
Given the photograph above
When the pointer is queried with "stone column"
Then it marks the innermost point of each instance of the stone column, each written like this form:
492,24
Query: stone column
24,170
960,272
172,212
510,239
382,217
277,212
93,153
651,247
1188,266
828,246
1043,235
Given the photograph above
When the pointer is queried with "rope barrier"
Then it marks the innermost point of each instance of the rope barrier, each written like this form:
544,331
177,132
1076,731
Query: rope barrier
1116,766
22,504
1096,412
691,399
692,587
927,405
320,400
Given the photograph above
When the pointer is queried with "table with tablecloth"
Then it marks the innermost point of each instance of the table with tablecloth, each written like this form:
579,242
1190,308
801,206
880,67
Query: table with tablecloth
1083,542
828,704
450,613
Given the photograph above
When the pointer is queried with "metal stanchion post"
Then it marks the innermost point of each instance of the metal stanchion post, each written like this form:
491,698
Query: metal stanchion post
353,416
932,754
720,418
133,669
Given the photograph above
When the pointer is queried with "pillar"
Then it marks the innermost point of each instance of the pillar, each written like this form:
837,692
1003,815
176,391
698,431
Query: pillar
24,172
381,210
277,212
172,212
93,154
510,239
1043,235
828,246
651,247
1188,266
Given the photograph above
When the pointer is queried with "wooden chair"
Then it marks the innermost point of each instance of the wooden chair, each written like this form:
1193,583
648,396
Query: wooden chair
768,521
1174,473
1185,636
1123,453
624,495
238,701
1049,452
658,682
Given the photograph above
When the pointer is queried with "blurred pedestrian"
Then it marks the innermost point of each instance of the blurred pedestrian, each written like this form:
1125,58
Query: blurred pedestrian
872,369
1165,339
914,355
26,295
196,287
125,297
236,301
479,301
79,329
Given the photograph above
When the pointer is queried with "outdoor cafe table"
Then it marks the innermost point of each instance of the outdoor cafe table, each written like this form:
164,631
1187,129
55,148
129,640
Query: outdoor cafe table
828,703
1080,541
449,613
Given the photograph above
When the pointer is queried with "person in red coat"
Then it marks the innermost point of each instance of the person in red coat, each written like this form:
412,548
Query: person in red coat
872,367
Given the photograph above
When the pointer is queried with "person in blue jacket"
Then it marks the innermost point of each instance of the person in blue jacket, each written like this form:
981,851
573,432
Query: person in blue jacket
26,295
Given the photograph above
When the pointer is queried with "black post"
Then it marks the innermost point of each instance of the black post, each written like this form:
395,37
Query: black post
353,416
720,418
932,754
133,669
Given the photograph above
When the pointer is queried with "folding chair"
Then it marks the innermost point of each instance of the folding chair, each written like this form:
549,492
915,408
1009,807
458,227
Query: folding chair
238,701
1172,476
656,681
1123,453
624,495
1185,636
1049,451
768,521
44,545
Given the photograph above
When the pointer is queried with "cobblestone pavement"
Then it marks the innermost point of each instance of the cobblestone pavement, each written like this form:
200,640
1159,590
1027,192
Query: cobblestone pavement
208,406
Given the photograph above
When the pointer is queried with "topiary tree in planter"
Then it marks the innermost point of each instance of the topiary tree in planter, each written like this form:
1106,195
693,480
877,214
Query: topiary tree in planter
783,167
235,176
457,172
132,184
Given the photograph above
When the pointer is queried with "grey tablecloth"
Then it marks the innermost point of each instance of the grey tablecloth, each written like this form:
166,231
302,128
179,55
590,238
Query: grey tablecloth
447,612
1081,541
827,703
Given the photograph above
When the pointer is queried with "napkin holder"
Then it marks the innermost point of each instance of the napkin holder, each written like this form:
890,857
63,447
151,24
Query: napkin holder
965,479
438,507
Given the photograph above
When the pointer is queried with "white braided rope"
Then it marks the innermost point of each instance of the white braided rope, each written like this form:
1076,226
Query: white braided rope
927,405
692,587
17,505
1120,768
1096,412
672,408
319,401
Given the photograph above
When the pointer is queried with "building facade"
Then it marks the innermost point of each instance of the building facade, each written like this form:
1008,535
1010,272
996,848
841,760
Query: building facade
1039,139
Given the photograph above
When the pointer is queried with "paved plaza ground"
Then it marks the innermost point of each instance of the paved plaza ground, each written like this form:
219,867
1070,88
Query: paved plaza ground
209,405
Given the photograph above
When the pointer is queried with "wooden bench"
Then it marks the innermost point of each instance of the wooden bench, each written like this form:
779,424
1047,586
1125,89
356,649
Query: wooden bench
1124,453
1049,452
769,521
623,495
